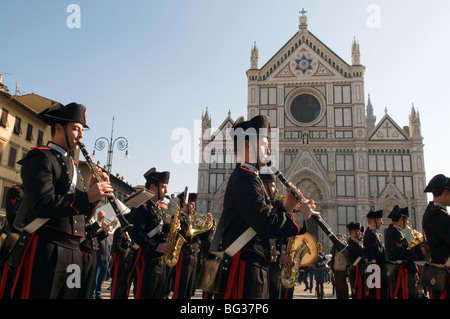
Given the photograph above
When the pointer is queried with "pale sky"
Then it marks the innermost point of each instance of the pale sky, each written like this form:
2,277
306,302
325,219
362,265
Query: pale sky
156,65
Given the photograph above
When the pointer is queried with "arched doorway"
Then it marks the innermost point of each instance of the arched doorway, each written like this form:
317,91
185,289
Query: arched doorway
311,190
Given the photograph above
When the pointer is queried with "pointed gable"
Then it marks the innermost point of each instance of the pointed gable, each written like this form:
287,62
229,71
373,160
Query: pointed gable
387,129
306,168
306,160
224,129
304,56
391,194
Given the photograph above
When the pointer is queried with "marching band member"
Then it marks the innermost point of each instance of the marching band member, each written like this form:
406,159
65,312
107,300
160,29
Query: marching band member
151,224
94,233
205,245
186,268
246,204
13,199
54,190
397,251
356,260
124,253
436,225
276,289
375,252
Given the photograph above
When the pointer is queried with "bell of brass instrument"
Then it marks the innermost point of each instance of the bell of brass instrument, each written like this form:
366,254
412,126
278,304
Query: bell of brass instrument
417,238
303,251
174,238
108,224
340,245
126,226
200,224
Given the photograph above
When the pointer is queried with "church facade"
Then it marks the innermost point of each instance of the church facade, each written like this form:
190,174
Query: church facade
325,138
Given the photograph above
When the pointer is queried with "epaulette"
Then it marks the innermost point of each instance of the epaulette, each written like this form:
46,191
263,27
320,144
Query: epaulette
245,168
40,148
437,207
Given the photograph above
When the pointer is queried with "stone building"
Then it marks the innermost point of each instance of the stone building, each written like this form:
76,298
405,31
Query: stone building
20,130
326,139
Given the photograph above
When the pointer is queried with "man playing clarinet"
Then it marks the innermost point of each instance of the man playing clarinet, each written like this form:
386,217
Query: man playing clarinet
54,191
246,204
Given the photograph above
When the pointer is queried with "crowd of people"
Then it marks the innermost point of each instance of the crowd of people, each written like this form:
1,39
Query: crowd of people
55,245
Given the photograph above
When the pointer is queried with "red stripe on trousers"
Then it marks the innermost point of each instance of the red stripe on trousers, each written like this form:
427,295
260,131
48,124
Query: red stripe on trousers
176,287
232,275
23,261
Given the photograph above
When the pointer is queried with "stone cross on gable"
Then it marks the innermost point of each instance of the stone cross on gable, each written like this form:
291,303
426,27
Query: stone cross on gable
303,19
387,127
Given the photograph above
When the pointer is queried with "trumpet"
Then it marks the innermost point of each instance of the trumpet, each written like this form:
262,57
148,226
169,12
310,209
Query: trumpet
340,245
108,224
417,238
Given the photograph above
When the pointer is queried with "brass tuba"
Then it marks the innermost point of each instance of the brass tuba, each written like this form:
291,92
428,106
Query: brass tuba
417,238
303,251
200,224
174,238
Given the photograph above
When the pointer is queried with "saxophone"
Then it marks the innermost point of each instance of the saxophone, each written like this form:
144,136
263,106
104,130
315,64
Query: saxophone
298,253
174,238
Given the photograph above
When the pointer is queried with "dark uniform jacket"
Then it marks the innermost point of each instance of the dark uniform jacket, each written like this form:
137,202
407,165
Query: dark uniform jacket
151,224
13,200
247,205
397,247
374,249
436,225
355,250
120,242
47,176
93,237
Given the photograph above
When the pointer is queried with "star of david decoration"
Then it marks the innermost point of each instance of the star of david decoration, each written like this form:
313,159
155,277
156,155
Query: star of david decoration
303,64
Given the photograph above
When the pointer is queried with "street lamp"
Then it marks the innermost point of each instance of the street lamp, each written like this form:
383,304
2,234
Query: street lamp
101,142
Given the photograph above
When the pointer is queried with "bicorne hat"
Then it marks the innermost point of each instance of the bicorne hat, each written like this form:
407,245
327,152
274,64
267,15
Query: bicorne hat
153,176
375,214
439,181
353,225
72,112
258,125
399,212
191,198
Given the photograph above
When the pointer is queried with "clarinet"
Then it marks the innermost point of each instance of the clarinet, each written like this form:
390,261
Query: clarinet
340,246
93,168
